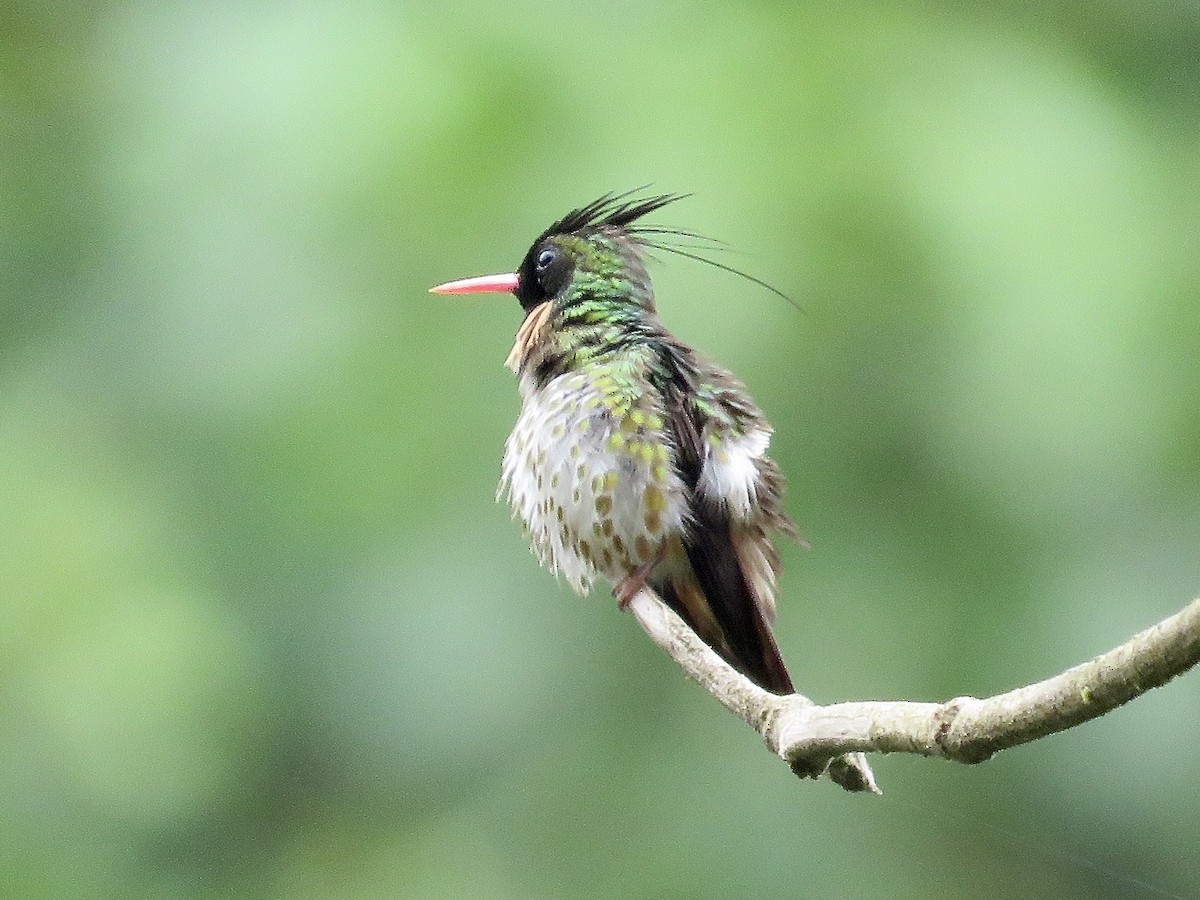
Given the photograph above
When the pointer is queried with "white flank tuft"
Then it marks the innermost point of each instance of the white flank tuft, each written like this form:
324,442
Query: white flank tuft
730,475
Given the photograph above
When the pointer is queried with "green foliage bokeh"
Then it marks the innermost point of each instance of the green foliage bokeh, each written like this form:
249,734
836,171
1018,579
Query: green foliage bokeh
263,632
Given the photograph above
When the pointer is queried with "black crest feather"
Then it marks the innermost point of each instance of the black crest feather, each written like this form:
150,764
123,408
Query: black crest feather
621,210
617,210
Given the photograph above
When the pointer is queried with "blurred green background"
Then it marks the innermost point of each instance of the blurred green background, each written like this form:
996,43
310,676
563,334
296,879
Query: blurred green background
263,632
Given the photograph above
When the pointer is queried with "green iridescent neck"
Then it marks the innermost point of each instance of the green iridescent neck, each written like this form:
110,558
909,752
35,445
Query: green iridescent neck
609,304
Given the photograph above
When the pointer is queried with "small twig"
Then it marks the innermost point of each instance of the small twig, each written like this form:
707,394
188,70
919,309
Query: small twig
818,739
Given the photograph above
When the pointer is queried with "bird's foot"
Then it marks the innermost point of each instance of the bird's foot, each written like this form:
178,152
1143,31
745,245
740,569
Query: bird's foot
629,586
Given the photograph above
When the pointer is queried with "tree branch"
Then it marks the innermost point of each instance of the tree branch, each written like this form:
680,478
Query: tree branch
831,739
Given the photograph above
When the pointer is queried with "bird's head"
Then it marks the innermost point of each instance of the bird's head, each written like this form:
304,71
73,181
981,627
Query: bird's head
583,284
591,256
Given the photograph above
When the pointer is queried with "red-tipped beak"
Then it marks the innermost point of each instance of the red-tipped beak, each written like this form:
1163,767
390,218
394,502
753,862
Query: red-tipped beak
482,284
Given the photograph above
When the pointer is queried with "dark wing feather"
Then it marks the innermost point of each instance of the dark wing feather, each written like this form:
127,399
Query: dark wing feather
735,627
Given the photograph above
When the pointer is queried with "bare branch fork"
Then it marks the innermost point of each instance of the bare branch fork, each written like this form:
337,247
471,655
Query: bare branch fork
832,739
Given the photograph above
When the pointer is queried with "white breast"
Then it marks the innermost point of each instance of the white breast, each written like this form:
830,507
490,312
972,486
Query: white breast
591,476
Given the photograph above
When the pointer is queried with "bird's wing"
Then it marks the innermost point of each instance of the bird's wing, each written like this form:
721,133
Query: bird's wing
732,562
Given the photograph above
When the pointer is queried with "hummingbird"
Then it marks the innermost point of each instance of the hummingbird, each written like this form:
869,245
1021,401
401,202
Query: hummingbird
635,459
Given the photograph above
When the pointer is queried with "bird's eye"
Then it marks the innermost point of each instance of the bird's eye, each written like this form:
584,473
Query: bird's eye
547,271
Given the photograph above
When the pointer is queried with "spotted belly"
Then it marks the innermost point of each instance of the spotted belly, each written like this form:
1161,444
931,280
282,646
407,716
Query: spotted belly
591,475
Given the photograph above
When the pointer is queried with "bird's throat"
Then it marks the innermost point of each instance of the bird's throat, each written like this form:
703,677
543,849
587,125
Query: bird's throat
529,335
